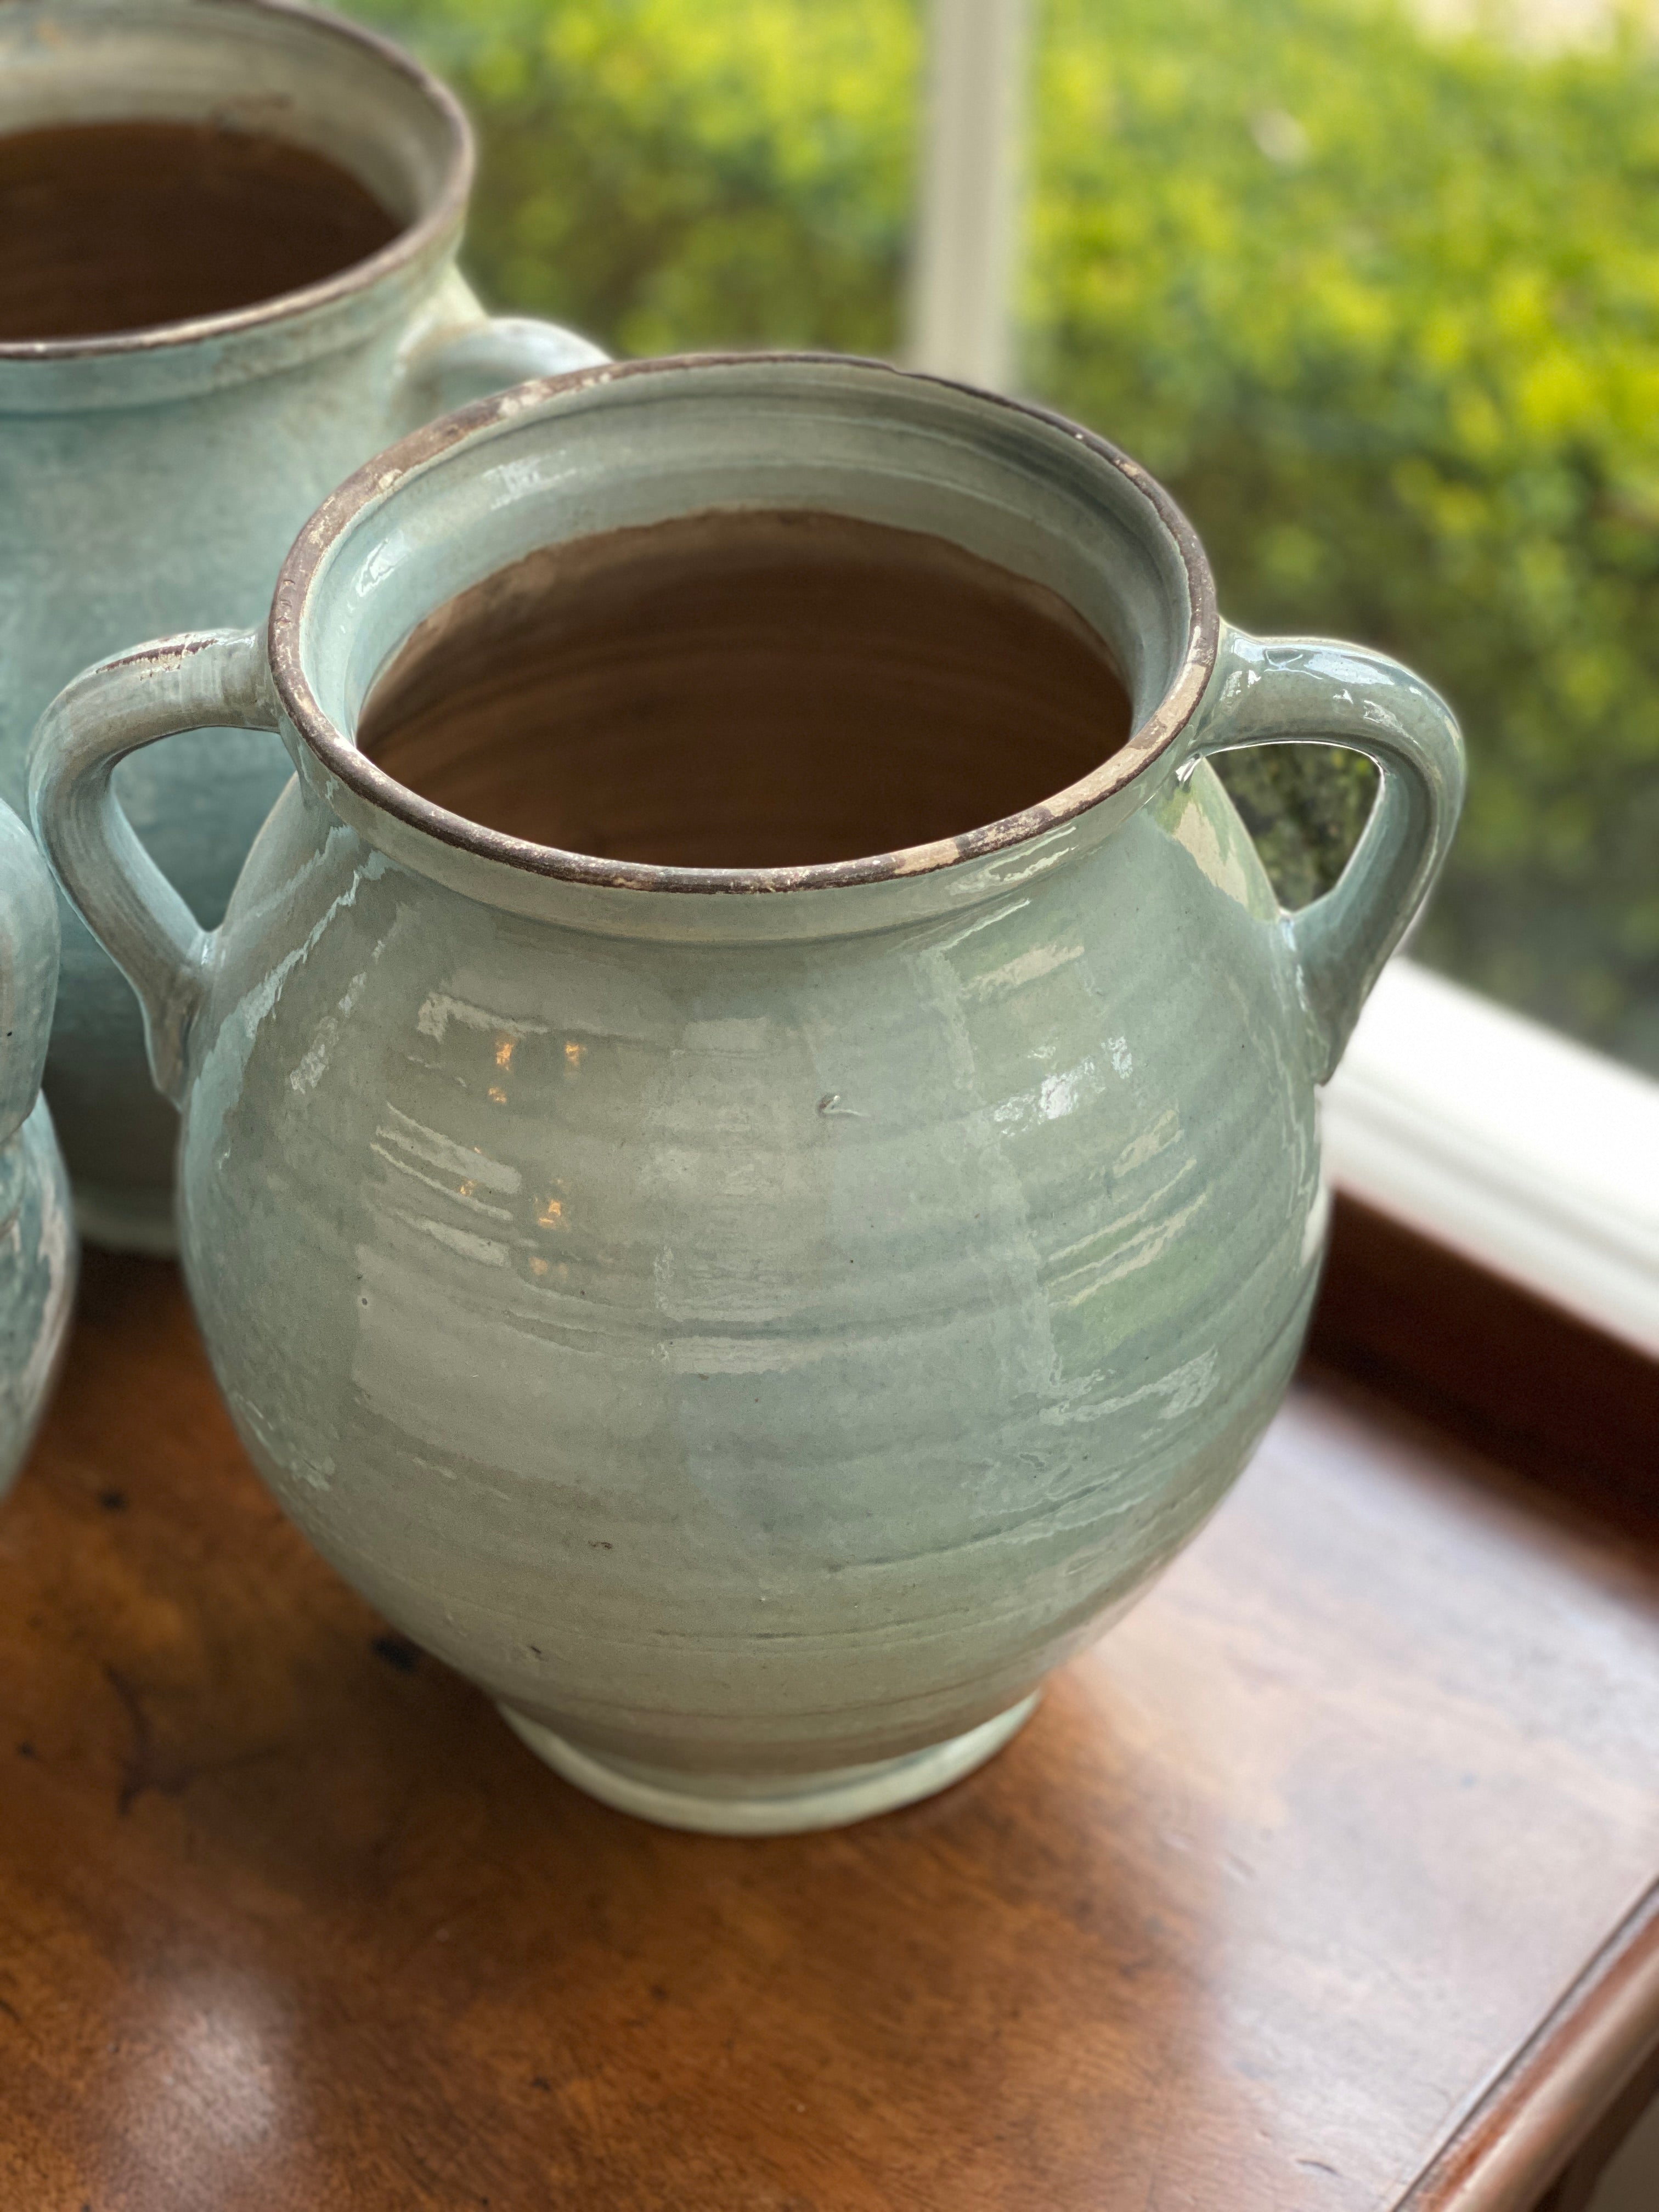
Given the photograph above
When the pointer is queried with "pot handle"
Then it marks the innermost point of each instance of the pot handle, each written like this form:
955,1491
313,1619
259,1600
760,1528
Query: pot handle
28,972
473,354
1314,691
203,680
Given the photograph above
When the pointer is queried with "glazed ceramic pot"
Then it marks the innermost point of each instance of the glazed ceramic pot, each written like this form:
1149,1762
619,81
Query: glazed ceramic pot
37,1231
153,478
754,1323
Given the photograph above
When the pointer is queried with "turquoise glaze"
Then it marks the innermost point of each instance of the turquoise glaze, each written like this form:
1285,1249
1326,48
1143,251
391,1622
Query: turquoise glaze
155,478
754,1324
37,1233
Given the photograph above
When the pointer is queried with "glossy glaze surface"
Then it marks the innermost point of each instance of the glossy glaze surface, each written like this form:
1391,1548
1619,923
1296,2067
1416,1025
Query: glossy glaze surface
754,1324
865,1316
37,1233
154,479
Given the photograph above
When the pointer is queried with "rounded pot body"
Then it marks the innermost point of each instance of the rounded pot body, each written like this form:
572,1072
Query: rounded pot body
754,1358
37,1250
753,1322
155,478
38,1257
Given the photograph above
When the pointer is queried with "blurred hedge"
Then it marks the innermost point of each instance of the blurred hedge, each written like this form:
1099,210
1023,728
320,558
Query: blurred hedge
682,174
1383,311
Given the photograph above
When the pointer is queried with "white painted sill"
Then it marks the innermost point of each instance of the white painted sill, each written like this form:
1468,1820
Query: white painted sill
1530,1155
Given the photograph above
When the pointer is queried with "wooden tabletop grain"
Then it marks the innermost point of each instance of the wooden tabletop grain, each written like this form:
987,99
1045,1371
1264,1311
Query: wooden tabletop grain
1320,1886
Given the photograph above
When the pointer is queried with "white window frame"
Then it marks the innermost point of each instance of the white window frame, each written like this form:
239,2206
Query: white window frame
1517,1147
1489,1133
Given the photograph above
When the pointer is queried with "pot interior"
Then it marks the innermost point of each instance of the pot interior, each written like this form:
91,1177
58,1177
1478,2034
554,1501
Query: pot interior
745,688
119,226
166,161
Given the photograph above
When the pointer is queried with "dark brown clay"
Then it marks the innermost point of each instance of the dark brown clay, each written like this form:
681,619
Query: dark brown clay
110,226
747,689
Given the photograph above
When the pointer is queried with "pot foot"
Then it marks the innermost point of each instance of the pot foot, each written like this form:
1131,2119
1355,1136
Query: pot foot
771,1805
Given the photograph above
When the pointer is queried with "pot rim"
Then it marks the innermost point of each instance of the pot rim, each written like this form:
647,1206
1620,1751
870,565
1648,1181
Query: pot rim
340,757
413,243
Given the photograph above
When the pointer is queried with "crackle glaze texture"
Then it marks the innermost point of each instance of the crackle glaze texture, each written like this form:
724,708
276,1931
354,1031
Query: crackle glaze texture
754,1324
154,478
37,1233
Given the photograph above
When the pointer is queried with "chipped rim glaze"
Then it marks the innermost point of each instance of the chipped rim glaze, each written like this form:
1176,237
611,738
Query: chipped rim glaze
424,239
339,755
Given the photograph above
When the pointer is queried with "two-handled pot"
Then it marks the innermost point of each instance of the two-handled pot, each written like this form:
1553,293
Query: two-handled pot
754,1322
151,478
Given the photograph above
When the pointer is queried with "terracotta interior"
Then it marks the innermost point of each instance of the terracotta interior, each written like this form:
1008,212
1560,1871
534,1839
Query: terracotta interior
746,690
109,227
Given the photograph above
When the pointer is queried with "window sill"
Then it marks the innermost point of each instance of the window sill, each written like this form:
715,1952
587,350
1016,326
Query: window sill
1520,1151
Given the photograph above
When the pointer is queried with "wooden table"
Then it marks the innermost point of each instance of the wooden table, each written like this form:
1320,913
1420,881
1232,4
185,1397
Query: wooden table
1323,1885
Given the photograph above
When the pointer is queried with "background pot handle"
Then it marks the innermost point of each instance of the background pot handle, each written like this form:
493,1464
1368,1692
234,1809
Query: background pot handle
205,680
28,971
1312,691
470,355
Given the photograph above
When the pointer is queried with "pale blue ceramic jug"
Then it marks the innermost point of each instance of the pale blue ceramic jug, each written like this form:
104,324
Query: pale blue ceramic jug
153,478
754,1322
37,1232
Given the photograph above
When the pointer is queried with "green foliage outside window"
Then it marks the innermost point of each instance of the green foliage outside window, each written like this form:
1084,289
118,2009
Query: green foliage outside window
1381,309
672,174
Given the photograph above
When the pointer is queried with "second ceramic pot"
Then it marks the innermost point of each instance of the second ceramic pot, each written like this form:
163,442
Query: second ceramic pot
153,478
37,1252
754,1321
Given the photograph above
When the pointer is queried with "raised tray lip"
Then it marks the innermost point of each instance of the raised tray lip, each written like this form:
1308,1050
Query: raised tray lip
1511,2144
